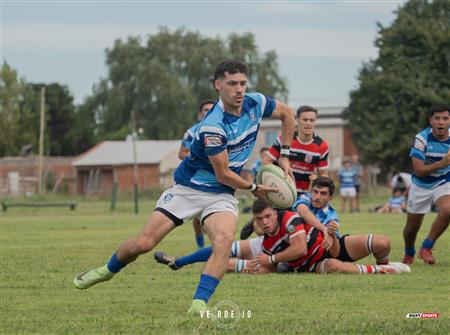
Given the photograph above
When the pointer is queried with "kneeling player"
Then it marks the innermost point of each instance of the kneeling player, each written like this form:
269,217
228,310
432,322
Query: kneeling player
316,206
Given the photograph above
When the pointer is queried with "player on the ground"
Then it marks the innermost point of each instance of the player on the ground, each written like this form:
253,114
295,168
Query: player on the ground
185,147
430,155
205,181
287,240
351,247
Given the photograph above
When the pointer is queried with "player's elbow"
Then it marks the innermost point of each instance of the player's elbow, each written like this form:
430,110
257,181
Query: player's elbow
302,251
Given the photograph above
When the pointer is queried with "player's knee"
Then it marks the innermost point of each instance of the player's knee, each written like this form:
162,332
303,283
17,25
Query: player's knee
223,241
144,245
381,243
445,211
332,265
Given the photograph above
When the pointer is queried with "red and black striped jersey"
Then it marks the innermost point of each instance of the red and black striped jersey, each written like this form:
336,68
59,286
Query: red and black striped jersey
291,225
304,158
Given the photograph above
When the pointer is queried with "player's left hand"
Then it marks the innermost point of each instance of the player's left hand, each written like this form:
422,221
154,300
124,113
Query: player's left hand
262,259
261,191
327,239
283,162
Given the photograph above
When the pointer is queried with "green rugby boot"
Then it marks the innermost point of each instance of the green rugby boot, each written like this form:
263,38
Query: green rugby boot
87,279
198,308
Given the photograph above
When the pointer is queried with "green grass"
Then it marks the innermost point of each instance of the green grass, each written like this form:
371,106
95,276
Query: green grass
42,250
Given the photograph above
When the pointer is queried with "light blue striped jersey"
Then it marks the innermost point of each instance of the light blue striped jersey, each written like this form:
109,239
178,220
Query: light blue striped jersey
347,177
219,131
324,215
397,202
188,136
429,149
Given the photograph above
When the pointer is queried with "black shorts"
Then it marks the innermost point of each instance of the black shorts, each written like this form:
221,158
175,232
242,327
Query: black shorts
357,188
343,254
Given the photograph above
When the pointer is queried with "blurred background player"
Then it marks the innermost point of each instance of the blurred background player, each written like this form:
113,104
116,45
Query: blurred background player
357,166
347,188
185,147
396,203
259,162
430,155
401,181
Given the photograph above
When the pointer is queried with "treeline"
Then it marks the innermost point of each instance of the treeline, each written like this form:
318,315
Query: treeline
160,81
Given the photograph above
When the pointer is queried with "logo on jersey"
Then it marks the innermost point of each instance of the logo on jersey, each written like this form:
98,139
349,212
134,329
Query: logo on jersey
252,116
419,145
212,141
308,158
168,197
290,228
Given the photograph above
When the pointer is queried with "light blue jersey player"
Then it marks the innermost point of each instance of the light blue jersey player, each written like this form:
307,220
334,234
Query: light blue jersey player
430,155
325,214
206,179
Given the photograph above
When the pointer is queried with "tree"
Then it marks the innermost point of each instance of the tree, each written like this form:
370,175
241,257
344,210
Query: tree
396,89
17,126
162,80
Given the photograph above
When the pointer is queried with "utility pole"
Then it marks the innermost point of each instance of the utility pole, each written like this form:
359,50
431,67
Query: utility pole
41,142
136,175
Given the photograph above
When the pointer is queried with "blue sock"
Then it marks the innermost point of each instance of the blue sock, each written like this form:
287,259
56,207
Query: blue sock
115,265
201,255
200,241
428,244
410,251
206,287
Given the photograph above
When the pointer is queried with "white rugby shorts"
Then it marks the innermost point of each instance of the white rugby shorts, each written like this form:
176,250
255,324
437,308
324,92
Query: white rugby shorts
348,192
181,202
420,199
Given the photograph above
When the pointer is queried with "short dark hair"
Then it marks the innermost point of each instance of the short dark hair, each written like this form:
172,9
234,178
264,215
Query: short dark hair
259,205
437,108
230,66
205,102
322,181
263,149
306,108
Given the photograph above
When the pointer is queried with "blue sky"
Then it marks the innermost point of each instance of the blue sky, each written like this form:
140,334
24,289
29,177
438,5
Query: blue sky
321,45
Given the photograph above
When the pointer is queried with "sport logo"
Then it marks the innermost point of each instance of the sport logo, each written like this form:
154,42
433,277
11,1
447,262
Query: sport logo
422,315
212,141
252,116
419,145
168,197
308,158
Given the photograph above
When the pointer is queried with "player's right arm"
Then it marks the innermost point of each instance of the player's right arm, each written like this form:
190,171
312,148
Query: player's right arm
227,177
286,115
312,220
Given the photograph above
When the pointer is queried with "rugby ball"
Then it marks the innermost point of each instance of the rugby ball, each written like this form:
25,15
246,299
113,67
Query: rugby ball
273,176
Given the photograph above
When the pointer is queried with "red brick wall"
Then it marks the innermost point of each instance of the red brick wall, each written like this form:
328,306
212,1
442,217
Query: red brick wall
28,169
349,146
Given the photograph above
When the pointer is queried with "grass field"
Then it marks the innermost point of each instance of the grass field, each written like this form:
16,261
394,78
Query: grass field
42,250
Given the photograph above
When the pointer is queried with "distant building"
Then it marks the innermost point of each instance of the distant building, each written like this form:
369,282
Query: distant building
110,161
